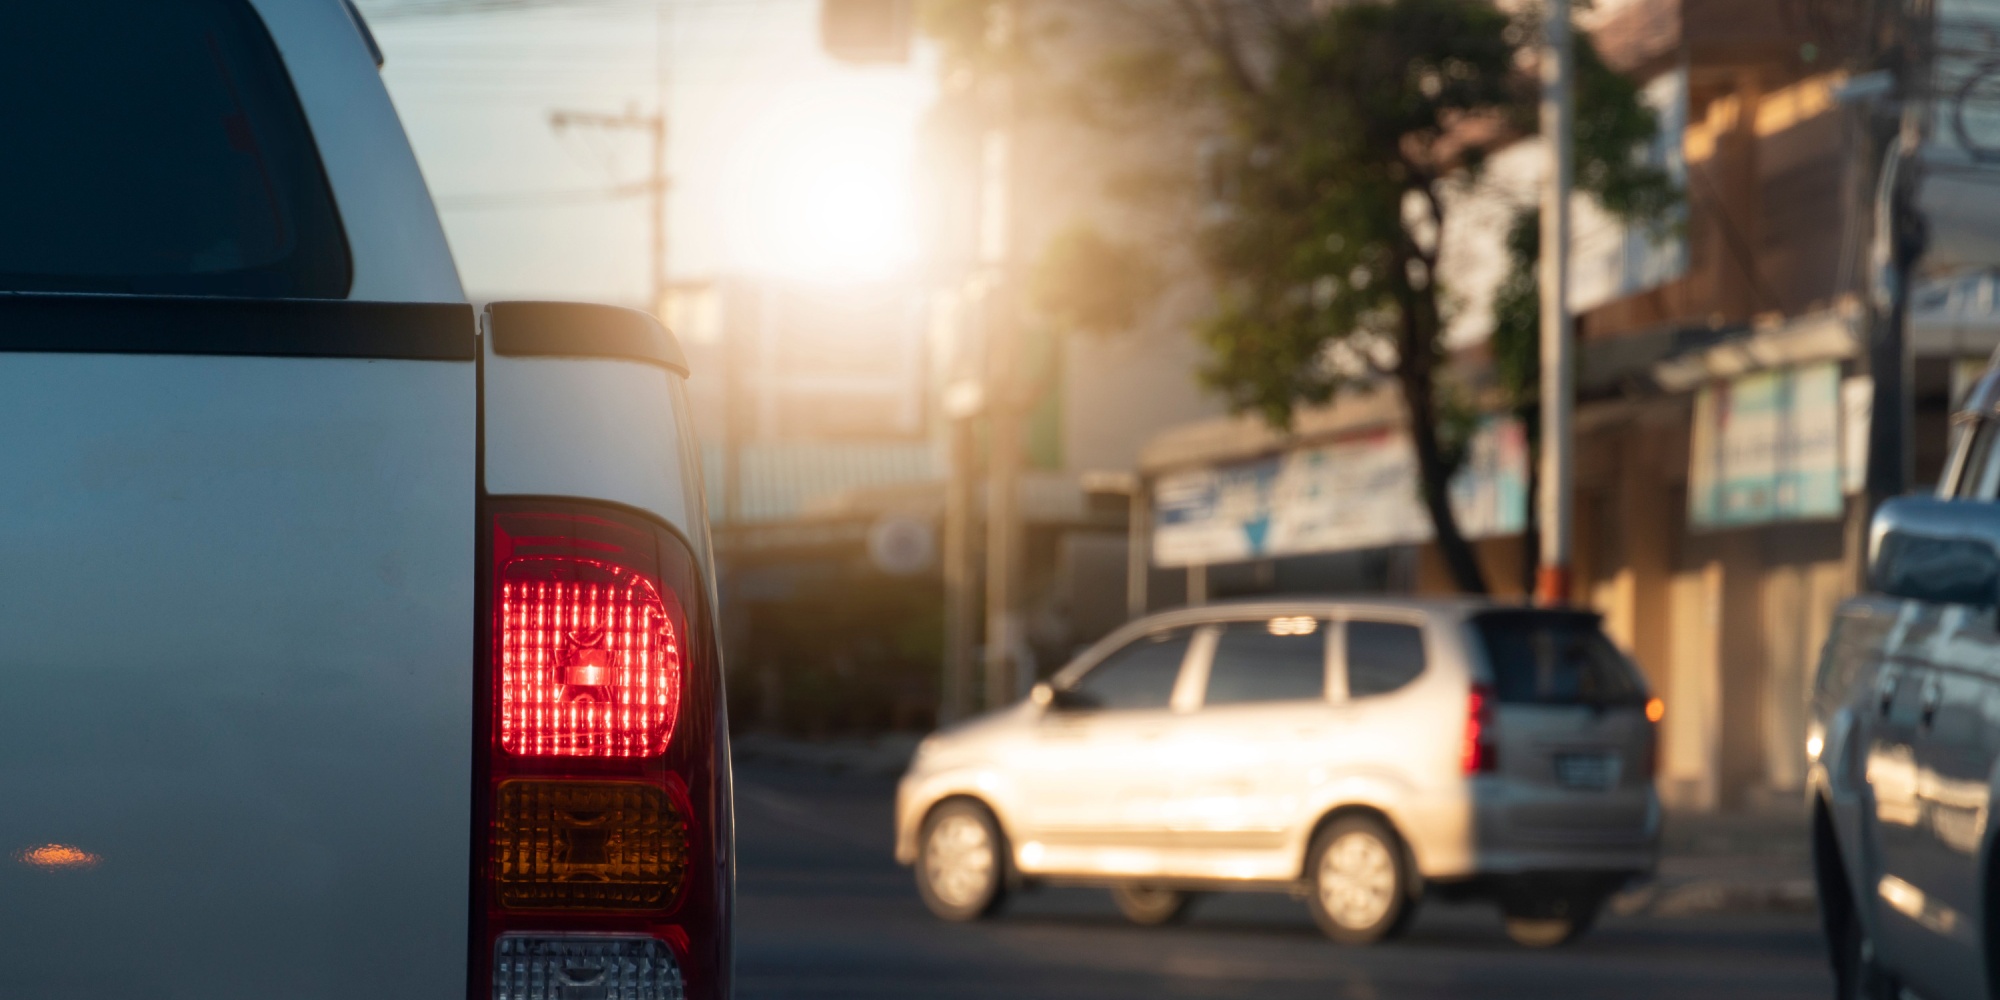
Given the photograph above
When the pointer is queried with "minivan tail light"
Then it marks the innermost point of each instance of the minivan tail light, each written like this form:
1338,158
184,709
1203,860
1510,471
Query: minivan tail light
1655,711
1477,754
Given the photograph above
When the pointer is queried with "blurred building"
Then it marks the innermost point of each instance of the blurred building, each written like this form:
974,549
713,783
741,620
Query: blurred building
815,404
1722,426
1098,397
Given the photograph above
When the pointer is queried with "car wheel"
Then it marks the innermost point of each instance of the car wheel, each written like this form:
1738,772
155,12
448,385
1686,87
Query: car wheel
1552,921
962,863
1855,974
1359,884
1546,932
1151,905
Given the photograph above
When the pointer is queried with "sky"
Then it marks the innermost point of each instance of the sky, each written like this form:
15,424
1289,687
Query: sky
784,162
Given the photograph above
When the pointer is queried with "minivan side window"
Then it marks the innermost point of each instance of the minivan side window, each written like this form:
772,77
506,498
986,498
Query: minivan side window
1270,659
1140,674
1556,658
1382,657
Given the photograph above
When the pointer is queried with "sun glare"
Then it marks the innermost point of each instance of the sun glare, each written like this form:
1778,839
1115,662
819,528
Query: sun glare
821,184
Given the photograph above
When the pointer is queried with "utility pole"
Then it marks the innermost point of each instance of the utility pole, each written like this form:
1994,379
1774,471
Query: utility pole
1552,583
962,402
1899,239
654,127
1004,631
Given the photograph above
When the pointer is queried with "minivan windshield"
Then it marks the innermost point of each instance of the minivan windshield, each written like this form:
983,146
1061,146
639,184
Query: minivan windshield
158,148
1555,658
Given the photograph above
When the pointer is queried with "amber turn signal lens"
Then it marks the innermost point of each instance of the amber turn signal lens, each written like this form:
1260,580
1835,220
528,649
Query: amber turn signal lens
587,845
1655,709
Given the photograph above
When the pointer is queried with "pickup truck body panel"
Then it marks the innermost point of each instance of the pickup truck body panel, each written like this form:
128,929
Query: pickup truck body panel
541,412
236,635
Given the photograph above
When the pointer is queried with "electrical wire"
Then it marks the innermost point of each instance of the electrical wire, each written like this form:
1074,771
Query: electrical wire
532,199
392,10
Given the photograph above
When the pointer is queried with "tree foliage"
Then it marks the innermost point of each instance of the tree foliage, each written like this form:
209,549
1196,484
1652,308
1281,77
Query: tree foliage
1349,123
1087,282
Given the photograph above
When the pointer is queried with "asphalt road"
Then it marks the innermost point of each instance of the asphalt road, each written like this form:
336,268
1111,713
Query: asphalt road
824,912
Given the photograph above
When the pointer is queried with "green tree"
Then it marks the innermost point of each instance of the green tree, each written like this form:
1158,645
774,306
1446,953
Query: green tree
1350,121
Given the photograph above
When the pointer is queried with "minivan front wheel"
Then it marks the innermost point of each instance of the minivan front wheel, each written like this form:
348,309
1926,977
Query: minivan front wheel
962,863
1359,885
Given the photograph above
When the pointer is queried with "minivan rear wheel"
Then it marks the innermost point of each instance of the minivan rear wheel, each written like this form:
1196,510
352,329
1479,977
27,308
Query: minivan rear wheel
1547,932
1549,917
1151,905
1359,883
962,862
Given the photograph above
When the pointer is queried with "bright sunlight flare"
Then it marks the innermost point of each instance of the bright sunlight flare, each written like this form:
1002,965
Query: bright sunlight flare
820,180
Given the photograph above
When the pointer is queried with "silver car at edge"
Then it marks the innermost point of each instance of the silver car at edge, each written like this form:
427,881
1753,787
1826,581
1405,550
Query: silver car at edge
1903,739
1360,753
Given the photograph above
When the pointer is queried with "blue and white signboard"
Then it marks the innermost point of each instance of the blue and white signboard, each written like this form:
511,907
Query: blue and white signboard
1357,493
1766,447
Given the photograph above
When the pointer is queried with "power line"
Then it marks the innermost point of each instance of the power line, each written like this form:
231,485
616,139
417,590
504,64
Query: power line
527,199
388,10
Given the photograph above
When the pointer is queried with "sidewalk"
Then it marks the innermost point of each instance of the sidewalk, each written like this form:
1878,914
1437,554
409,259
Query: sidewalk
1753,862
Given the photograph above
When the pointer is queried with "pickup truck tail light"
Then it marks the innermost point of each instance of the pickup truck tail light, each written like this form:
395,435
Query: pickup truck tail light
601,848
1477,755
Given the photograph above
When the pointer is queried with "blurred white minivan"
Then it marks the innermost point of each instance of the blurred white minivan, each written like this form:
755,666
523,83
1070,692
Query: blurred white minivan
1363,754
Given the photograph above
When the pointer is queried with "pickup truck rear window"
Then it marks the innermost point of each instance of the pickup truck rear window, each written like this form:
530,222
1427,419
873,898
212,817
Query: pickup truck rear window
158,148
1555,658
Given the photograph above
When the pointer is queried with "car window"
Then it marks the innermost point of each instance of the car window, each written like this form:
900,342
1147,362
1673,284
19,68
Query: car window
1555,658
1270,659
1976,479
1382,656
158,148
1140,674
1855,639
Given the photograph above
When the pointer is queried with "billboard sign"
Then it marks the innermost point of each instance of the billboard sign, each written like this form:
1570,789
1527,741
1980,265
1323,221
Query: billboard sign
1766,448
1356,493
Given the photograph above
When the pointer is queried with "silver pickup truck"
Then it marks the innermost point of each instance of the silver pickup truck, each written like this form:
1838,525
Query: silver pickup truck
353,642
1904,739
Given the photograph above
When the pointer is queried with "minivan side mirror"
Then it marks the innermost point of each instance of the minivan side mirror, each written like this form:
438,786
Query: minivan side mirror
1936,551
1050,698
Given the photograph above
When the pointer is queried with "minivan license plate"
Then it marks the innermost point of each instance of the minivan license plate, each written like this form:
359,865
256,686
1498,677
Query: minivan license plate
1588,771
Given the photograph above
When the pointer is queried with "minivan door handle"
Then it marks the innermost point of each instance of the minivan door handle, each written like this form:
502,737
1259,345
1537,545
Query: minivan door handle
1885,691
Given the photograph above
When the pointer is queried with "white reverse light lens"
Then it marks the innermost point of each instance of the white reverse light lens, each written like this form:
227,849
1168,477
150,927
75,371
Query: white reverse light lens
584,967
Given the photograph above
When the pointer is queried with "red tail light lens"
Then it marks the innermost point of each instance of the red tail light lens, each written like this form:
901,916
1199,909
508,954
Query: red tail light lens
1477,755
590,659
